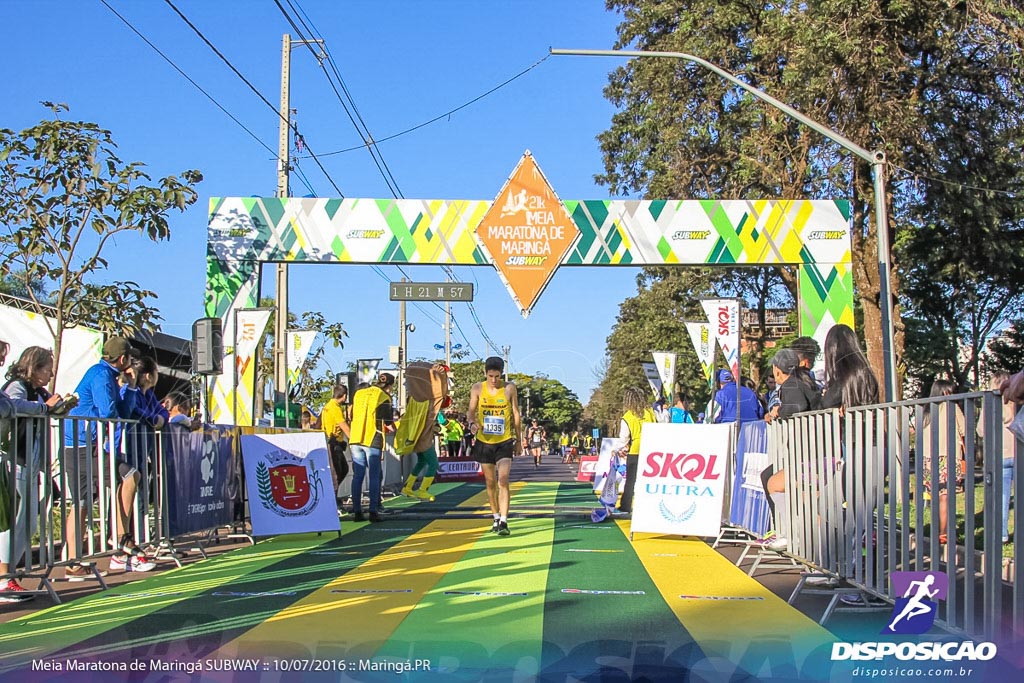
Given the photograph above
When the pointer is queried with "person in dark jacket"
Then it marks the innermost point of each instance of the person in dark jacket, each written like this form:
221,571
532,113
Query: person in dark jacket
798,393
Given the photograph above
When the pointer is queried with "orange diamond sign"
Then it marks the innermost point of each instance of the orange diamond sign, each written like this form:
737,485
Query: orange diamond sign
526,232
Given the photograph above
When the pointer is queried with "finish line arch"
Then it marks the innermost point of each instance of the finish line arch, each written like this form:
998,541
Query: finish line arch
526,234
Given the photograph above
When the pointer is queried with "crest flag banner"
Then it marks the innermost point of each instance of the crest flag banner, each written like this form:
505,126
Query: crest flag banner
289,482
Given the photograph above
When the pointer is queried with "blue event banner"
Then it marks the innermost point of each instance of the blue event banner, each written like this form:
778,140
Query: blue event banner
749,509
202,477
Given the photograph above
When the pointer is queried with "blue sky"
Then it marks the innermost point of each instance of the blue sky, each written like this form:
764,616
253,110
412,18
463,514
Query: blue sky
404,63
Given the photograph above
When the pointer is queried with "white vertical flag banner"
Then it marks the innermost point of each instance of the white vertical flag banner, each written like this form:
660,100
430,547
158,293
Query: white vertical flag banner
653,378
666,365
366,370
252,323
704,345
724,318
681,491
300,343
289,481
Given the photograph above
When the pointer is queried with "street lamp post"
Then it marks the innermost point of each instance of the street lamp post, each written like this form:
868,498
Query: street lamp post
876,159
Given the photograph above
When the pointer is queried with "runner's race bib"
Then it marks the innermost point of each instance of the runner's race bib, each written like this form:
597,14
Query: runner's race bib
494,425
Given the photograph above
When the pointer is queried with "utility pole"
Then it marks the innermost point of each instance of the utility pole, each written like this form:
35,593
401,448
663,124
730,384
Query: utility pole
281,314
504,353
283,169
448,331
401,353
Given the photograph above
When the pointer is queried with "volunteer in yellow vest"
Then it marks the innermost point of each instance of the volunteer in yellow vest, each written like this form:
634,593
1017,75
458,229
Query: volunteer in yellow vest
453,437
636,412
372,417
335,426
494,419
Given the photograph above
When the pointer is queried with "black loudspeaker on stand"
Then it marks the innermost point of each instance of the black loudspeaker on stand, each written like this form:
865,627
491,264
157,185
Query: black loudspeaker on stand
207,346
347,380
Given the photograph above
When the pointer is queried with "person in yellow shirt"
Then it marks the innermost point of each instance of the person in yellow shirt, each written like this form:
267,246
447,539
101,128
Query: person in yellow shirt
636,413
335,425
494,419
372,418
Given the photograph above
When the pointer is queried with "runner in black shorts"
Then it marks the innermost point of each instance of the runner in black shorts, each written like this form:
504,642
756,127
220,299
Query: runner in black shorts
494,420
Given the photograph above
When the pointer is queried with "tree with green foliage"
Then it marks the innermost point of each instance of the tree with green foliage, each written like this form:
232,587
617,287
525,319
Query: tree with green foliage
315,384
907,78
64,196
1006,352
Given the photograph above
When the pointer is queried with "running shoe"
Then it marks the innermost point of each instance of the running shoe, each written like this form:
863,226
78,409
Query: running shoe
497,523
13,592
358,517
80,572
130,563
503,529
375,517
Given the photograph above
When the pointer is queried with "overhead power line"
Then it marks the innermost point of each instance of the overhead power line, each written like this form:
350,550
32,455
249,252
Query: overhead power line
245,80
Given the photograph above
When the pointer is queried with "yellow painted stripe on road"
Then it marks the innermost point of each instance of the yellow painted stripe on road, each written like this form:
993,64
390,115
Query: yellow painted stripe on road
363,619
728,610
480,502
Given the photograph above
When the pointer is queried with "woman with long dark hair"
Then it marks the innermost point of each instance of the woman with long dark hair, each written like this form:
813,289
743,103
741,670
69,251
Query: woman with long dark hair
849,380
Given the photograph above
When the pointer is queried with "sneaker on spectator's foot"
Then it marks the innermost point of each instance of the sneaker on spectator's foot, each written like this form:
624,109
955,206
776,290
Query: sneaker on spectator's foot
358,517
619,511
375,517
860,600
127,546
13,592
778,544
497,522
130,563
820,581
80,572
503,528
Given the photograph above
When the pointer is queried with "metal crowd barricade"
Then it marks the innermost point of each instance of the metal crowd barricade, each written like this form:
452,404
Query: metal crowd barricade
857,507
28,492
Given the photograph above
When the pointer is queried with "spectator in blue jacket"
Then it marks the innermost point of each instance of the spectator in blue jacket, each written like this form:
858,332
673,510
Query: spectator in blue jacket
100,395
724,402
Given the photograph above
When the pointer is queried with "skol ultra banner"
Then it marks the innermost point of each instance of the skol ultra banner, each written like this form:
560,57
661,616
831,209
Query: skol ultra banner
704,344
666,364
289,482
251,323
724,318
653,378
300,342
680,485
